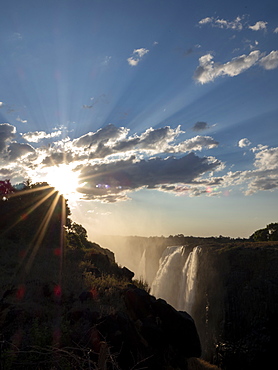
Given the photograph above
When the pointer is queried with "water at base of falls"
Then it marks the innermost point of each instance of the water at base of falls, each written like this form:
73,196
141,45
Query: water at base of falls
175,280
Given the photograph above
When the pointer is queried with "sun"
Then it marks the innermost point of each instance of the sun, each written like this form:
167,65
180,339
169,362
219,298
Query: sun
63,179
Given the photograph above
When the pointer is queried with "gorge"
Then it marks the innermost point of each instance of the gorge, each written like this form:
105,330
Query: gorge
230,290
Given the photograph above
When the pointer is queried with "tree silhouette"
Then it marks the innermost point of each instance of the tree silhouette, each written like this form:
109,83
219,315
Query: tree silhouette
270,233
6,188
35,214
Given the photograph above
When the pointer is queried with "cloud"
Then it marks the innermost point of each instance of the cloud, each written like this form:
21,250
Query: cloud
196,143
270,61
120,177
236,24
243,143
260,25
110,142
208,70
5,172
200,126
267,159
36,136
206,20
112,163
152,140
263,178
58,157
104,135
17,150
136,56
276,30
21,120
1,104
7,133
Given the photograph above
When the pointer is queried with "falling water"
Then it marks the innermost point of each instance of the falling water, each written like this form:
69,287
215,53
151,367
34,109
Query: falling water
176,277
141,273
188,285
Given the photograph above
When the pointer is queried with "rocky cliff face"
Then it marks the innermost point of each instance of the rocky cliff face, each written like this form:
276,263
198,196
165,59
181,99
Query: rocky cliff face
231,291
89,315
236,305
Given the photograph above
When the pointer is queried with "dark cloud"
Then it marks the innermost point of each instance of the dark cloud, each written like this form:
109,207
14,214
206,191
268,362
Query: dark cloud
104,134
129,175
56,158
200,126
5,172
17,150
7,133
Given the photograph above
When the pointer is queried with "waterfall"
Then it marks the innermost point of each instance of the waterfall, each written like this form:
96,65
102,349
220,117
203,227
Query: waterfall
176,277
141,272
188,284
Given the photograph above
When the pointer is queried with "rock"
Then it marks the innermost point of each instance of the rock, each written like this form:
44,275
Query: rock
170,334
127,273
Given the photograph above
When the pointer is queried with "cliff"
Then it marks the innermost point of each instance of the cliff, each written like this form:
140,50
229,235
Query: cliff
66,304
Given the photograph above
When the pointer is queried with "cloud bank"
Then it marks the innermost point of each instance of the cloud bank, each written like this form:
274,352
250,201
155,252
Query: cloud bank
112,164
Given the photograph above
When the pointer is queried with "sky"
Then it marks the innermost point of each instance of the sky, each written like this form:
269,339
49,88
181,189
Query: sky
153,117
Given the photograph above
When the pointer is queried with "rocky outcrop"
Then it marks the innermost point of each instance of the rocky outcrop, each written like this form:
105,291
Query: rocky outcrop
169,334
146,333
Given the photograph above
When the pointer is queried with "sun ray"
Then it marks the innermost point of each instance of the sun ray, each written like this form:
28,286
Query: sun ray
62,177
32,208
38,238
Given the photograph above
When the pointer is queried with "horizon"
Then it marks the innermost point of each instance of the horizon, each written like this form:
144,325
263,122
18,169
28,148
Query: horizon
152,118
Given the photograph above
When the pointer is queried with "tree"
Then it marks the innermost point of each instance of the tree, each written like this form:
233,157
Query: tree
77,236
270,233
36,213
6,188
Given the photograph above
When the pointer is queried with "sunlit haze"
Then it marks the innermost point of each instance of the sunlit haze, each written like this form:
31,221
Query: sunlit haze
151,117
62,177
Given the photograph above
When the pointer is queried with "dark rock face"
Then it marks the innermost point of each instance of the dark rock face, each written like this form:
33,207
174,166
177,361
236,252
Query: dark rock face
236,306
129,275
170,334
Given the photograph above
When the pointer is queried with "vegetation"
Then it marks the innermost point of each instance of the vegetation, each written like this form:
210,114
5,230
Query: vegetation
55,285
269,233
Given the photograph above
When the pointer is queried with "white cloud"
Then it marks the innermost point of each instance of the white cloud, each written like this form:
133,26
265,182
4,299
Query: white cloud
270,61
1,104
196,143
137,55
236,24
276,30
263,178
104,135
208,70
206,20
260,25
36,136
244,142
21,120
267,159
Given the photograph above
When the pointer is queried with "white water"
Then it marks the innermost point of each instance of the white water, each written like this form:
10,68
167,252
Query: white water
141,273
175,280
